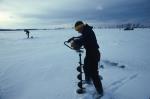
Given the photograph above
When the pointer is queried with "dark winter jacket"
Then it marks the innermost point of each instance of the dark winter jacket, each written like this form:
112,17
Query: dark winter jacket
88,40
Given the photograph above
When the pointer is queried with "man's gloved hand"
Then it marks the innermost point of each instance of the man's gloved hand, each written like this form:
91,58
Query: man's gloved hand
75,45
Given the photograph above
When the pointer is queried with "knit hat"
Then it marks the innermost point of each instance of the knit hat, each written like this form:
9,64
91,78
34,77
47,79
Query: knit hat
78,25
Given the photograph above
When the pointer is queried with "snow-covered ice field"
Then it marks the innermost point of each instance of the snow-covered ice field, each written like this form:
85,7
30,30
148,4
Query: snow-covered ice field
43,68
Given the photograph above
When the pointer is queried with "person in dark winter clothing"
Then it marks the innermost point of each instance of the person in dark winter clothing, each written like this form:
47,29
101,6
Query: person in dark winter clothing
27,32
89,41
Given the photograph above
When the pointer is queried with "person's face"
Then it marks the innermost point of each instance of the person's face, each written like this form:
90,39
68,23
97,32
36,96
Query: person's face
80,30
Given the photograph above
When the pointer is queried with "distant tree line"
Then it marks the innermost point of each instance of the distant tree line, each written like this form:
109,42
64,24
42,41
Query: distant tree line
132,25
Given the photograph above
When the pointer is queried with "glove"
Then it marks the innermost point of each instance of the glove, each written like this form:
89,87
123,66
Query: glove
75,44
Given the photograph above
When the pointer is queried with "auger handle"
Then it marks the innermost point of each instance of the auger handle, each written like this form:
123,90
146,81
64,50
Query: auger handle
66,43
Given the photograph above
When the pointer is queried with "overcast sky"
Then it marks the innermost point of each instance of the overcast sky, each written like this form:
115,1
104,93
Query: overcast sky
44,13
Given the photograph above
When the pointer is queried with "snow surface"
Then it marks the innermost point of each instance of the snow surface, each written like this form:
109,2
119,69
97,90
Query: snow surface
43,68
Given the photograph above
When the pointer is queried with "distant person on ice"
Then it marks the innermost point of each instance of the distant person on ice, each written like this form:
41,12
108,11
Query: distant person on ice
27,33
89,41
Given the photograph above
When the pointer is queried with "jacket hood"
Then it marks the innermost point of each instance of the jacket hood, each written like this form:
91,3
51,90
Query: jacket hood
86,29
87,26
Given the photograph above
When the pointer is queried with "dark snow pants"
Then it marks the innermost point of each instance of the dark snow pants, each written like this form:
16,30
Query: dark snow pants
91,69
